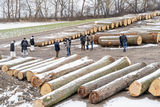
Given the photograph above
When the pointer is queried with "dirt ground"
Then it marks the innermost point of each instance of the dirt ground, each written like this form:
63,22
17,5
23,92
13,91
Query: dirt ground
146,54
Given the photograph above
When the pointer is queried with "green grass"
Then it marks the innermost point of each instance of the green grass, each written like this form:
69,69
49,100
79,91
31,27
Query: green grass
7,33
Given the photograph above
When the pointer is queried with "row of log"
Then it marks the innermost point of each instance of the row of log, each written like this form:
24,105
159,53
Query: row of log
60,78
99,26
103,83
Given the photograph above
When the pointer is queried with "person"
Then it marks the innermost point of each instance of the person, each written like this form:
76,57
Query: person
67,43
24,45
123,41
12,49
82,42
91,42
32,44
57,48
87,39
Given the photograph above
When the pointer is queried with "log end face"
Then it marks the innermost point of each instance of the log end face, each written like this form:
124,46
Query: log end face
82,92
128,60
154,88
139,40
29,75
94,97
38,103
15,73
36,82
5,68
135,89
45,89
10,72
20,76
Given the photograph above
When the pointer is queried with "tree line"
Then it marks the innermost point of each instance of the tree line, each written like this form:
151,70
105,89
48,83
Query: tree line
73,9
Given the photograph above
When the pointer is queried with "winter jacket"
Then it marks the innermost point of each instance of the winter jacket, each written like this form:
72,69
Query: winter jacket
32,41
83,39
12,47
57,47
123,39
24,44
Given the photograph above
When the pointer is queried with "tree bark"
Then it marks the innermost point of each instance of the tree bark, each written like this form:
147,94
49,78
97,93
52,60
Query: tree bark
154,88
6,59
31,73
39,79
54,84
6,65
139,86
22,71
71,88
114,40
119,84
86,89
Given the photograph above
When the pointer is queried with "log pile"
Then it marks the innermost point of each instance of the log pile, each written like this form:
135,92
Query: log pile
98,26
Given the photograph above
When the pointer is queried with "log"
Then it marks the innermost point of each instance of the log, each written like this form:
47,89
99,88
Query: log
114,40
6,65
0,56
71,88
139,86
121,83
84,90
6,59
39,79
154,88
31,73
78,73
22,72
12,69
54,84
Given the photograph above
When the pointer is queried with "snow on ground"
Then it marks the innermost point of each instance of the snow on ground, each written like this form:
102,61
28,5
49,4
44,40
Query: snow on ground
12,25
79,46
133,47
126,102
72,103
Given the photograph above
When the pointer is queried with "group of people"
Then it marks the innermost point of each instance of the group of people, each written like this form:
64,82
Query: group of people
89,40
24,47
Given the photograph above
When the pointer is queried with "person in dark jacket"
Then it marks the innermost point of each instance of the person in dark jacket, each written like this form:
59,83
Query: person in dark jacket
57,48
24,45
12,49
83,40
123,40
87,39
91,41
32,44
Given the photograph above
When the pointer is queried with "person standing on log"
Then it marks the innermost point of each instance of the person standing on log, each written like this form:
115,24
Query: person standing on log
57,48
87,39
24,45
83,40
12,49
123,40
32,44
91,42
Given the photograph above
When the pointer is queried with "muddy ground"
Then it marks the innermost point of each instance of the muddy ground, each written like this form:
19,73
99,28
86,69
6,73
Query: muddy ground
145,54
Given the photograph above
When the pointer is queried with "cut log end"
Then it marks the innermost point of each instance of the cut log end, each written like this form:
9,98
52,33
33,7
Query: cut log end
154,88
93,97
128,60
20,76
29,75
10,72
38,103
82,92
36,82
45,89
15,73
5,68
135,89
139,40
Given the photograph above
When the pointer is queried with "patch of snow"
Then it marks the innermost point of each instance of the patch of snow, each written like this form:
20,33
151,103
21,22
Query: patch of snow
14,98
25,24
72,103
126,102
79,46
135,47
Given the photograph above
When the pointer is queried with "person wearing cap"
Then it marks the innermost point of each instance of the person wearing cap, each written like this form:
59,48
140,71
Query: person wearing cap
123,41
32,44
24,45
12,49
